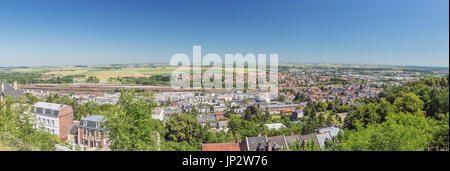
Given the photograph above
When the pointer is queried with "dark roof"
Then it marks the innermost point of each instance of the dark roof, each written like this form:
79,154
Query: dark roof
74,129
91,122
309,137
9,91
291,139
278,142
7,86
257,143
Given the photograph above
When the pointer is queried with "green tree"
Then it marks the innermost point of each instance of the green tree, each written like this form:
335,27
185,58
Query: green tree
131,128
410,103
184,128
400,132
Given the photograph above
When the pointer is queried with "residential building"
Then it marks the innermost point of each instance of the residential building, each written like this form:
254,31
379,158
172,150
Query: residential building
221,146
296,115
91,132
54,118
219,126
282,108
13,91
259,143
275,126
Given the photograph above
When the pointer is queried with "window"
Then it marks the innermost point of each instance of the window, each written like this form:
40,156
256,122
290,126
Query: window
97,134
53,122
39,110
84,131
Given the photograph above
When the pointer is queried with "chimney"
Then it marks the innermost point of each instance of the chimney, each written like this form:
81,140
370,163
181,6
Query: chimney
237,140
269,146
15,86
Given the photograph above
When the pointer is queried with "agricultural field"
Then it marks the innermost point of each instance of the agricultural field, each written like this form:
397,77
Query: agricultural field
101,72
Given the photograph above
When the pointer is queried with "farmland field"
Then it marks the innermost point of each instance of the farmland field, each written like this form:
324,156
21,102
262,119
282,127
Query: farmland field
101,72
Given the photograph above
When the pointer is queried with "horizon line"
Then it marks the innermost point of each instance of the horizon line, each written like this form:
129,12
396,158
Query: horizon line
144,63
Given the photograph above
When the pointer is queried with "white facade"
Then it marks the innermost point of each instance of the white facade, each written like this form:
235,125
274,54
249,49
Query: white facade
275,126
158,114
47,117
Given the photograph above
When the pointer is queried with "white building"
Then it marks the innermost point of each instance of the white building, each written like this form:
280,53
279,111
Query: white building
275,126
54,118
158,114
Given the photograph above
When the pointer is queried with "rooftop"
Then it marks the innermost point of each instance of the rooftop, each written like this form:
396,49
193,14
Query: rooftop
94,118
221,147
52,106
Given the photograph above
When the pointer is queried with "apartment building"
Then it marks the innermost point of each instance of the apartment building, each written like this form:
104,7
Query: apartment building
54,118
90,131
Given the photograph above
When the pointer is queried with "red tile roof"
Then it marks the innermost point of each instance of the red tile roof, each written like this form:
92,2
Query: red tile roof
221,147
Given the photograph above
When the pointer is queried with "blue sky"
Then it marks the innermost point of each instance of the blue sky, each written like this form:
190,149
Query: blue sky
60,32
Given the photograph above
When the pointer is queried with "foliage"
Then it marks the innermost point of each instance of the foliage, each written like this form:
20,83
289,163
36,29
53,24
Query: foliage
184,128
310,145
17,131
253,114
400,132
153,80
132,128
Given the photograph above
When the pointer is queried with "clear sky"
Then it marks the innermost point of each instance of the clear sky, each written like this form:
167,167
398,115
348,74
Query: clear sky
60,32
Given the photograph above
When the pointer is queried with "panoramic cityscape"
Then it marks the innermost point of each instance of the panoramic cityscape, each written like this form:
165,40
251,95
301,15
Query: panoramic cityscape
212,76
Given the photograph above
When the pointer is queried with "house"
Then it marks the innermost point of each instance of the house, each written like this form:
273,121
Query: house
277,143
262,97
282,108
292,139
187,108
90,131
220,115
334,131
203,119
219,126
264,143
296,115
204,109
158,114
321,138
235,103
54,118
73,133
172,110
308,138
275,126
221,146
239,110
219,108
12,91
259,143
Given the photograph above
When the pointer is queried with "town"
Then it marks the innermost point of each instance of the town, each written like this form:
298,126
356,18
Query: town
314,108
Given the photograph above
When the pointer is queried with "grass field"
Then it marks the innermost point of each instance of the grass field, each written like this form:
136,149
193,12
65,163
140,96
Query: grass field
101,72
108,71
